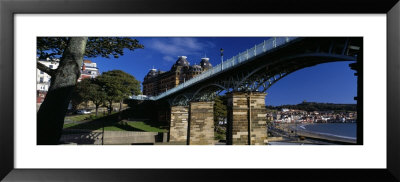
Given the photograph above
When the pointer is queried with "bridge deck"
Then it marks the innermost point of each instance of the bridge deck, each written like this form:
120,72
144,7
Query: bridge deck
243,57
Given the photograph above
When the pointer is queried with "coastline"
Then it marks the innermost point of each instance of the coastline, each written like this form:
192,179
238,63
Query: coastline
298,133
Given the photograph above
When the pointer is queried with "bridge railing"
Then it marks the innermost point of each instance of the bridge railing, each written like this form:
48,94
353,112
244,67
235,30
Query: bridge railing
242,57
141,97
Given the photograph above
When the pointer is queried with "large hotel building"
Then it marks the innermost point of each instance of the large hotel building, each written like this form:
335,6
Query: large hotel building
157,82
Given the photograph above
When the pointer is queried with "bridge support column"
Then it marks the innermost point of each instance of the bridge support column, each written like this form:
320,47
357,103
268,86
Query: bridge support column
201,123
247,121
179,124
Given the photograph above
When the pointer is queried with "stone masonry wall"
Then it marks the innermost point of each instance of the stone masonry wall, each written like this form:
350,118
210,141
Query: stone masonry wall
179,124
238,121
258,127
201,123
241,124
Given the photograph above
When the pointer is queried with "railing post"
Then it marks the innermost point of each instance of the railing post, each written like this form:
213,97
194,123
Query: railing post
264,47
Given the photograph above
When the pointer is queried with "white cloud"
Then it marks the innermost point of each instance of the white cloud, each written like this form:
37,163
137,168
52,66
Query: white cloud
173,47
169,58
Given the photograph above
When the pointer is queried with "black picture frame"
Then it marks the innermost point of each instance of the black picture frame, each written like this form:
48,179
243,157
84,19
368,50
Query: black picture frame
9,8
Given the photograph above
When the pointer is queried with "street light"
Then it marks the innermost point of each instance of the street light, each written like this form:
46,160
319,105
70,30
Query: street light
222,58
102,136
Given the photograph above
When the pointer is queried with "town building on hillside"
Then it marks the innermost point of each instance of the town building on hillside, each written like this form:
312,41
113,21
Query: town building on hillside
157,81
89,70
42,78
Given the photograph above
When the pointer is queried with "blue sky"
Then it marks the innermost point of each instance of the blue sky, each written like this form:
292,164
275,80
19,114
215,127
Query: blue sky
329,82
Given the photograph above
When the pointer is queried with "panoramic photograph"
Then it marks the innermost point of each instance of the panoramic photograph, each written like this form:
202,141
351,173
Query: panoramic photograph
199,90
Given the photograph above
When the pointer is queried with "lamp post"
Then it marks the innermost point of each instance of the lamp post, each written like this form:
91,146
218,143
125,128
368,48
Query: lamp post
102,136
222,58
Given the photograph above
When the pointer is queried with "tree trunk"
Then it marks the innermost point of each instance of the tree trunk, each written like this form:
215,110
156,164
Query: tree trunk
110,109
50,117
120,105
97,108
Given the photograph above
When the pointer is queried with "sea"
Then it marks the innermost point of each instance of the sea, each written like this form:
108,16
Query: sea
348,130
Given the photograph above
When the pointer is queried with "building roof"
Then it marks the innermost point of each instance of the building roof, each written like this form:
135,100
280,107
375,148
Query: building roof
195,68
152,72
87,61
205,63
182,61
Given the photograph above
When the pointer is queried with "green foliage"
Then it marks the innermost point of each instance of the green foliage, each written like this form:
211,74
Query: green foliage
117,126
118,86
89,90
111,86
114,123
53,47
70,51
220,109
85,117
220,133
220,114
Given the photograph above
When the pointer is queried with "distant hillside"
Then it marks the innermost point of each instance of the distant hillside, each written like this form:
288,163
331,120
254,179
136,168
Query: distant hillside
314,106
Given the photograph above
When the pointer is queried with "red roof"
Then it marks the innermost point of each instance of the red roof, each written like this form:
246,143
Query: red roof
87,61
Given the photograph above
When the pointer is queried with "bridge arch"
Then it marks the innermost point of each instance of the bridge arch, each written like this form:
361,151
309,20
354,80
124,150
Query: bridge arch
258,77
181,99
215,85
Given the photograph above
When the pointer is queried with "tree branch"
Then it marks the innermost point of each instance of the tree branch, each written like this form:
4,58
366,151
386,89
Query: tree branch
45,69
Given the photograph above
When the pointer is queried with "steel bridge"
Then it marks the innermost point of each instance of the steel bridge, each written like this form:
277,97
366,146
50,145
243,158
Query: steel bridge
259,67
245,78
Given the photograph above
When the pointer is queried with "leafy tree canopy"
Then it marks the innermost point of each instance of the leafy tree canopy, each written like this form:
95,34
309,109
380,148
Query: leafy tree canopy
89,90
53,47
119,85
220,109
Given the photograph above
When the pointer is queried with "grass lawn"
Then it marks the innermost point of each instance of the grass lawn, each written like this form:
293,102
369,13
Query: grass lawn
85,117
77,117
111,123
118,126
69,125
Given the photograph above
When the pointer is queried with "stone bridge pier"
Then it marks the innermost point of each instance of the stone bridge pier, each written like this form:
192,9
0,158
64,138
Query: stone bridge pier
178,130
201,123
193,124
247,122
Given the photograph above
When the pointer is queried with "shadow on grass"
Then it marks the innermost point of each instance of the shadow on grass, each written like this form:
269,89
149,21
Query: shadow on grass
113,120
153,124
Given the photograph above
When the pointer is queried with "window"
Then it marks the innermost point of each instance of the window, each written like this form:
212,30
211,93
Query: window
51,66
41,80
41,72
